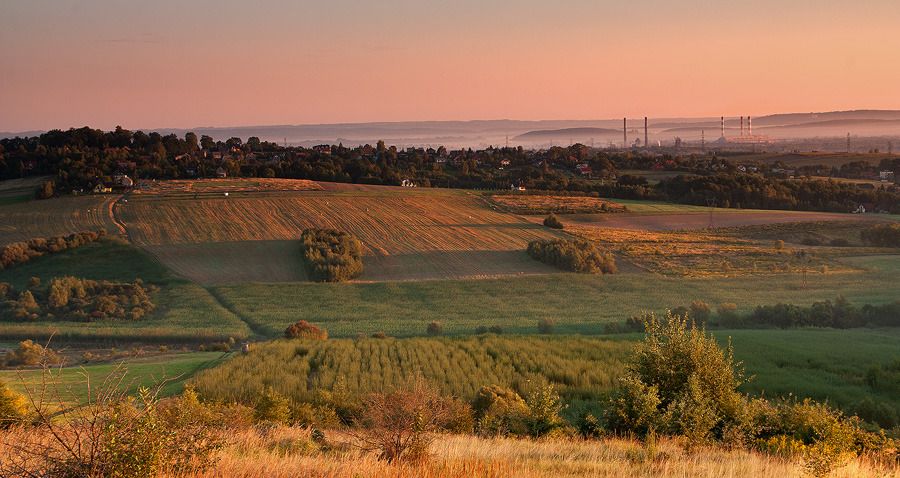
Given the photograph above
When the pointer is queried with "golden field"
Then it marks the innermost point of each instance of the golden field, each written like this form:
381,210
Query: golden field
290,452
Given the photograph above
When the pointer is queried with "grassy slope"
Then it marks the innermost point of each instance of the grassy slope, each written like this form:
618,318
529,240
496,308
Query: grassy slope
185,311
579,303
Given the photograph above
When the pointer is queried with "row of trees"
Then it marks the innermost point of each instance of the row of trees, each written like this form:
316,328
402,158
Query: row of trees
21,252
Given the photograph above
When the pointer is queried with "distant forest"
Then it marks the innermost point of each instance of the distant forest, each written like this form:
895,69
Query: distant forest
79,160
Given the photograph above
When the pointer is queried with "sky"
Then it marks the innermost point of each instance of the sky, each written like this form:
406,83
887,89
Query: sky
191,63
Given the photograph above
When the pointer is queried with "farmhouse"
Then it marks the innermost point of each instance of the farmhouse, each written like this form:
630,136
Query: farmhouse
122,180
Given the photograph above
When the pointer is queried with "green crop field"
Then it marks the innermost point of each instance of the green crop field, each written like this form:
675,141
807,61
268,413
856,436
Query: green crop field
579,303
169,372
822,364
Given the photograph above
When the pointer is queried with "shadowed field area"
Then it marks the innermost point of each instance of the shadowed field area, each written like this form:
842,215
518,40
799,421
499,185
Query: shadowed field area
21,221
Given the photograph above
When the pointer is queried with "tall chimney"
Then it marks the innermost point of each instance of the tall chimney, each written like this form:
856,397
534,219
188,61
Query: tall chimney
646,140
723,126
624,133
750,125
742,125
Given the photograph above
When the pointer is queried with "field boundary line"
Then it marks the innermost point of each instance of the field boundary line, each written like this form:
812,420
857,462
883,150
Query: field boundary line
254,327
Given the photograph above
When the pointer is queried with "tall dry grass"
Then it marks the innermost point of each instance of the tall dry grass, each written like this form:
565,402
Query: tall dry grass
287,452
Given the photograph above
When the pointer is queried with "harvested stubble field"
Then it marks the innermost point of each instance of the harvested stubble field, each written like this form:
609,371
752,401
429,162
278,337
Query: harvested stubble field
545,204
417,234
206,186
706,253
22,221
667,217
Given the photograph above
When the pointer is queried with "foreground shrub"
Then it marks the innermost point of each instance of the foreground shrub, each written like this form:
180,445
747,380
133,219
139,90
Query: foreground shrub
272,407
305,330
553,222
13,407
572,255
331,256
113,435
680,382
400,425
882,235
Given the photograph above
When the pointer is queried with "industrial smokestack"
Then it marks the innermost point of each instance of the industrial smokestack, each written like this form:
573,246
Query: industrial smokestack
750,125
624,133
646,139
723,126
742,125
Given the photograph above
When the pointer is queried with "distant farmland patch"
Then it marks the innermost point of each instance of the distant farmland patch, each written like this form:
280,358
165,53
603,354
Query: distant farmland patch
541,204
22,221
418,226
206,186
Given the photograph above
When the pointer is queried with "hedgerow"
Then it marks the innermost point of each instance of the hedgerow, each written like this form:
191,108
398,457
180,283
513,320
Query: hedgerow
76,299
572,255
21,252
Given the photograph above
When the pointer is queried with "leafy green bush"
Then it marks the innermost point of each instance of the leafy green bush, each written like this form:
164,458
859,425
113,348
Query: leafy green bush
272,407
331,256
499,411
680,382
572,255
553,222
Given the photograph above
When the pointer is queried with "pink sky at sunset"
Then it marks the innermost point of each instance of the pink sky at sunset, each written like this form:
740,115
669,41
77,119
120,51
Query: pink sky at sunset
216,63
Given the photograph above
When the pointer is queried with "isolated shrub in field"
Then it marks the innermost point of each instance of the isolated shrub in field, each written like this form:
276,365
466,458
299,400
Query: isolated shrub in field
31,353
379,335
553,222
435,328
13,407
546,326
572,255
700,311
305,330
331,256
882,235
401,425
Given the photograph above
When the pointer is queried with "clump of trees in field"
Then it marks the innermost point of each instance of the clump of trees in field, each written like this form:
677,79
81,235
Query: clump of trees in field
21,252
882,235
573,255
553,222
75,299
839,314
331,256
305,330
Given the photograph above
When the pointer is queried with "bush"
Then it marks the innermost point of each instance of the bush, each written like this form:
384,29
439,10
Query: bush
305,330
679,382
331,256
272,407
400,425
544,406
13,407
499,411
546,326
882,235
700,311
553,222
31,353
572,255
435,328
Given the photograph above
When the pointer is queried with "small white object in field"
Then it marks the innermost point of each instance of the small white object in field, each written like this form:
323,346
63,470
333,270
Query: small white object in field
226,194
